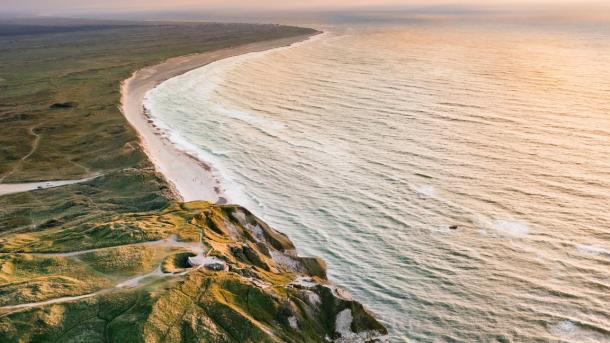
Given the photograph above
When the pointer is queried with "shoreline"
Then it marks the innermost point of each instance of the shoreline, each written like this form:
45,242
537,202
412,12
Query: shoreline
189,178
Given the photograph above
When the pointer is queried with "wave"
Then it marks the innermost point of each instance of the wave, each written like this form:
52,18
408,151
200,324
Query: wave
365,147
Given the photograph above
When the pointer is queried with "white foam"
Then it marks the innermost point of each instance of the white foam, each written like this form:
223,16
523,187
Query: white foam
567,330
511,227
268,126
232,191
592,250
563,329
343,323
427,190
207,80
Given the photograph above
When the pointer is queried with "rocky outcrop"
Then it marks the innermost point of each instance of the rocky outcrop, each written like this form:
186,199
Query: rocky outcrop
265,292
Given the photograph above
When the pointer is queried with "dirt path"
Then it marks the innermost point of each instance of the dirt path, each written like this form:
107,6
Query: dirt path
32,151
23,307
134,281
10,188
28,186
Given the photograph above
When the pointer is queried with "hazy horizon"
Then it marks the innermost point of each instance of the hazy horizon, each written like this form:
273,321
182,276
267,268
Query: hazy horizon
304,171
75,7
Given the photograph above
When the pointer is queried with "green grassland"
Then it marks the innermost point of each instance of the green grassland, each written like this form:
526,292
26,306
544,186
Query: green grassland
59,92
256,300
59,119
59,115
116,192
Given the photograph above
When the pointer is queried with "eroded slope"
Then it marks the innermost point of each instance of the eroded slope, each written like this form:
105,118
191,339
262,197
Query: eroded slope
192,272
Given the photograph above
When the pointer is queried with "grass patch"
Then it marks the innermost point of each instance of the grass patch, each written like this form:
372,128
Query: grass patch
124,260
29,278
117,192
61,83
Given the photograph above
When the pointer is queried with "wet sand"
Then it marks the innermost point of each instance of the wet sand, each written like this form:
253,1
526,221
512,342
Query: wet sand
189,178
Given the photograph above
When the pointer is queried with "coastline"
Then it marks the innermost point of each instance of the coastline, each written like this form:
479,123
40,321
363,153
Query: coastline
121,244
189,178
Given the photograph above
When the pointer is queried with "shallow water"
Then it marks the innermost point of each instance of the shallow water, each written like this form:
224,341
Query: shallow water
365,146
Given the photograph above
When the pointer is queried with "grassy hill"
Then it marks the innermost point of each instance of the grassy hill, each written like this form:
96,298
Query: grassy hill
265,293
108,260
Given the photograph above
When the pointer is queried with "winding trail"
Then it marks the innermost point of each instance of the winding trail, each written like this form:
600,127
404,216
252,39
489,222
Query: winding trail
12,188
189,178
23,307
32,151
196,248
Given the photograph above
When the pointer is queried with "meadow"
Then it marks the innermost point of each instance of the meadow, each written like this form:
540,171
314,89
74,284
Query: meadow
59,115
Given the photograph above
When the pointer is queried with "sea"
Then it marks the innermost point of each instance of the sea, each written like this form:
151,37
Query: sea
455,175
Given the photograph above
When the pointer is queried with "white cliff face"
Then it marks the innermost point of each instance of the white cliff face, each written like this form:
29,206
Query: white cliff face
209,262
343,322
285,261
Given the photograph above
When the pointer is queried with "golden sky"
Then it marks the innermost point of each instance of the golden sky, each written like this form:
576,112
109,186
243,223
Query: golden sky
177,5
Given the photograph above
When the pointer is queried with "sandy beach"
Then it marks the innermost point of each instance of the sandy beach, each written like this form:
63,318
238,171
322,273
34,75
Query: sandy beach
189,178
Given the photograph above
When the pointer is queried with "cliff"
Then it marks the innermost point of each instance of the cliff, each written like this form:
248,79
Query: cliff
193,272
116,258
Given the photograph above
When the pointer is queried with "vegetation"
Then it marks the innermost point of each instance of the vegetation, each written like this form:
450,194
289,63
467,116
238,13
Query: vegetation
60,118
108,260
75,205
59,91
268,293
28,278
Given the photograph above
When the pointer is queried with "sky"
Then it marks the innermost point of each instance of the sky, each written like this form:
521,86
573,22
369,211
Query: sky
174,5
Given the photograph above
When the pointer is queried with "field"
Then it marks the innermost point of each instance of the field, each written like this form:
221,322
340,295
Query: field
117,258
59,115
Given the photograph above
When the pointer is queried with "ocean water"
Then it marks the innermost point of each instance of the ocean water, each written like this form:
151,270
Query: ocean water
366,144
